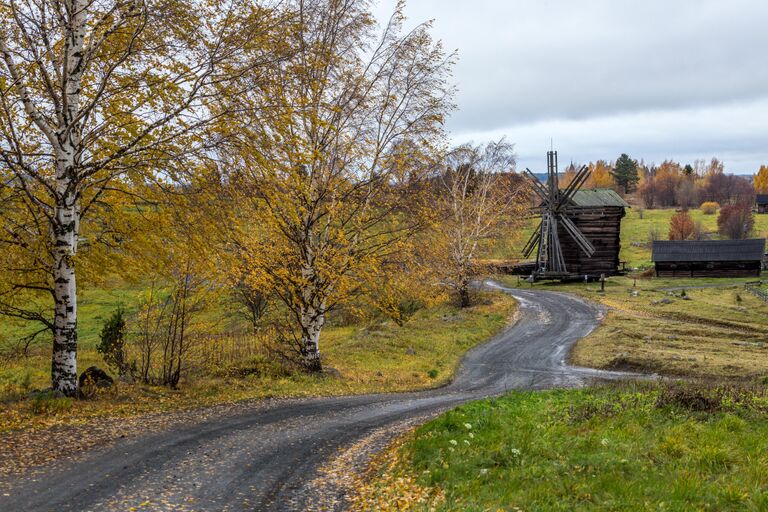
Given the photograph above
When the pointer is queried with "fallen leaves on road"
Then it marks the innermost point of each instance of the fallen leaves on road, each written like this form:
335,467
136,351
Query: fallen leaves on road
382,489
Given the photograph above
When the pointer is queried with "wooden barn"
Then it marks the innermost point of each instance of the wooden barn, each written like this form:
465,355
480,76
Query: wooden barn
762,203
708,258
597,213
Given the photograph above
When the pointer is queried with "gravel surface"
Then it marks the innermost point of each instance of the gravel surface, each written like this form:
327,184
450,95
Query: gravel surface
292,454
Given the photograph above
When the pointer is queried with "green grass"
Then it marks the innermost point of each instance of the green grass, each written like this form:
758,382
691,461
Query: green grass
624,448
636,230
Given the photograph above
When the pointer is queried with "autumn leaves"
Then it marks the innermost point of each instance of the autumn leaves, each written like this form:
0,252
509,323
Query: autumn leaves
295,150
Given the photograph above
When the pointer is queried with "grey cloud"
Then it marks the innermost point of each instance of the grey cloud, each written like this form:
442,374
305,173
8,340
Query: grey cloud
528,67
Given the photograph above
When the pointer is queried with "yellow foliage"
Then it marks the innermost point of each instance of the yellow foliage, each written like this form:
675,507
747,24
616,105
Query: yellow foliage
761,180
600,176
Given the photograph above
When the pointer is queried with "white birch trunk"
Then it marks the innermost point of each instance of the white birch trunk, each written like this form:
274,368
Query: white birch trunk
65,233
66,220
312,314
312,322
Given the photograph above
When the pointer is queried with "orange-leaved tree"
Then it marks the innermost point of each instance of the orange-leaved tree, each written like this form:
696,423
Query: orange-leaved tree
736,221
600,175
682,226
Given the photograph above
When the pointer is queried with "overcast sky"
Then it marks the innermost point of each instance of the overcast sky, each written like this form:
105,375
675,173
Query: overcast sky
657,79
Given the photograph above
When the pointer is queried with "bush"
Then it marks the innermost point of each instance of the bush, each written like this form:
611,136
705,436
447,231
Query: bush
736,221
709,208
712,397
49,402
682,227
112,344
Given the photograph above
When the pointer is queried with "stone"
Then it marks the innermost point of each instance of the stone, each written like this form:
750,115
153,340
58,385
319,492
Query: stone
330,371
410,351
95,376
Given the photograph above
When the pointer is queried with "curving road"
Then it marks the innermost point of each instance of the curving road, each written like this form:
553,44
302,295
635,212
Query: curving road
268,457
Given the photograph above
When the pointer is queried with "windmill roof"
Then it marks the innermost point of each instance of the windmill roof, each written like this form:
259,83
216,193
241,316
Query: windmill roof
708,250
598,197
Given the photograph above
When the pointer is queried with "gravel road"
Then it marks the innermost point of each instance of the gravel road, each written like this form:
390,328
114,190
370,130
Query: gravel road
271,457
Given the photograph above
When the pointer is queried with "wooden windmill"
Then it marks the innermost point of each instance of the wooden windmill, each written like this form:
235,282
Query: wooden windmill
554,209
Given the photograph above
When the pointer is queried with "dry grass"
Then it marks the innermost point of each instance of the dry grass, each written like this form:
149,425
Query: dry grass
714,332
380,357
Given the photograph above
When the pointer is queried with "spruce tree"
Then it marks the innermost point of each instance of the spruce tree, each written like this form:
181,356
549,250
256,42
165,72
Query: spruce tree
625,172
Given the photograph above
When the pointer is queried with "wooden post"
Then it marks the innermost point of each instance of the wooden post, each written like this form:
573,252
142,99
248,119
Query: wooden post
602,283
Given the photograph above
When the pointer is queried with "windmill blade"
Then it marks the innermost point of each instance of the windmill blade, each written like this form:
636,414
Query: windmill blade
555,260
584,244
578,181
538,187
531,244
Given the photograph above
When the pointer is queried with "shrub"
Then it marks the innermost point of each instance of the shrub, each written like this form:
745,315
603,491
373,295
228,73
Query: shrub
49,402
654,233
736,221
712,397
112,344
681,226
709,207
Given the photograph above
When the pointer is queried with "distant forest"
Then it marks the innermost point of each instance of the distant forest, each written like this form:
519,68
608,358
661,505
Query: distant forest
671,184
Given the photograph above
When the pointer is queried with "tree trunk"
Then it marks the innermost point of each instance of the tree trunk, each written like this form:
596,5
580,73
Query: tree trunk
462,287
464,299
65,225
312,321
65,235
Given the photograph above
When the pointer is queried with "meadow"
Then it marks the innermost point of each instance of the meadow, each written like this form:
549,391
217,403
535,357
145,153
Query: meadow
640,226
623,447
365,357
674,327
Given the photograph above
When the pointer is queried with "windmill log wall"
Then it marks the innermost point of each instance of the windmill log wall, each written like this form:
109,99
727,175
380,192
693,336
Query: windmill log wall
601,225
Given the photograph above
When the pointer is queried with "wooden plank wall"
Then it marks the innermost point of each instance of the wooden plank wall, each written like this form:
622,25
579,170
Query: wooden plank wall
602,227
709,269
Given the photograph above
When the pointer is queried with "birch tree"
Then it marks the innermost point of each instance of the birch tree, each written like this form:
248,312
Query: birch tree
331,150
94,93
479,199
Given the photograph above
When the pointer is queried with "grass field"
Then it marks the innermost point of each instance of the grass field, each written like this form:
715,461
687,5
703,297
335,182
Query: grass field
636,231
373,357
709,332
625,447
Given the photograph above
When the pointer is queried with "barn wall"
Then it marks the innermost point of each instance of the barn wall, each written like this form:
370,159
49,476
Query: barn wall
709,269
602,226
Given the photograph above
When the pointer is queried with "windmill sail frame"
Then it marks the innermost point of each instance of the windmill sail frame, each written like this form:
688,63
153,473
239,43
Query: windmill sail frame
553,209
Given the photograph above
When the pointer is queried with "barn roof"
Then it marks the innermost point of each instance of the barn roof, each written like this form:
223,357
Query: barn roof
762,198
598,197
708,250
